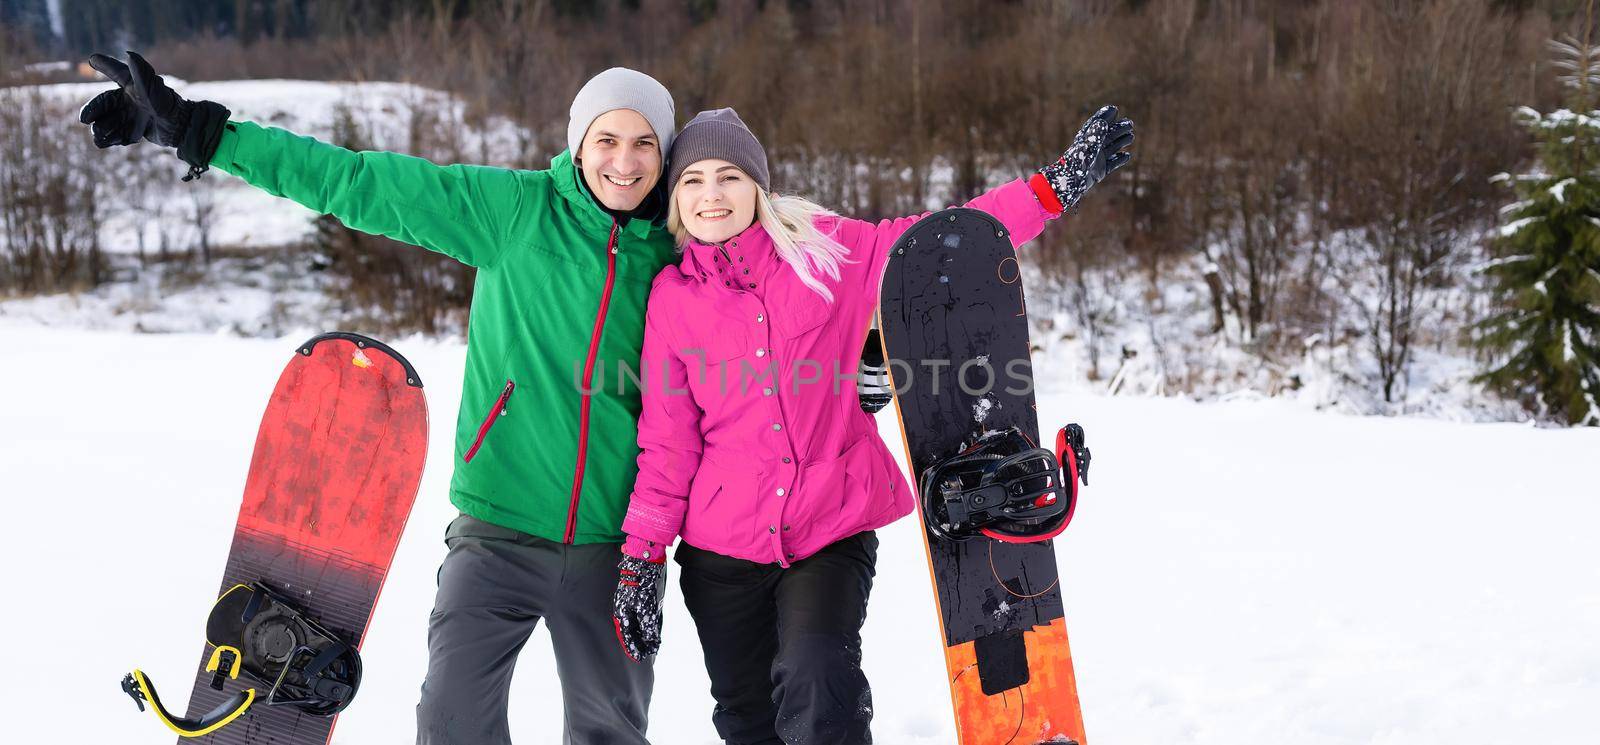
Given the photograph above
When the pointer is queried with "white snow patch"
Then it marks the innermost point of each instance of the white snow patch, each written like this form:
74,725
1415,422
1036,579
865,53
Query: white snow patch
1562,118
267,296
981,409
1559,190
43,67
1515,226
1516,206
1437,601
1492,263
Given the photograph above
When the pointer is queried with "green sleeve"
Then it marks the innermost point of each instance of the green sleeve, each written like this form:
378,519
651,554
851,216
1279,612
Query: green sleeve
462,211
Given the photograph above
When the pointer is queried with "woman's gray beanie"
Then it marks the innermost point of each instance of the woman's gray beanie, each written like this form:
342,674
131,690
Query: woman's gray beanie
621,88
721,134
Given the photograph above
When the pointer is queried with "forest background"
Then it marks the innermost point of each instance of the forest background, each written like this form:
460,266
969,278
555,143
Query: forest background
1313,209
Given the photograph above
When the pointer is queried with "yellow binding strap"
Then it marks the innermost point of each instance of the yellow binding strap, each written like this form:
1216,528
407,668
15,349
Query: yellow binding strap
206,724
216,661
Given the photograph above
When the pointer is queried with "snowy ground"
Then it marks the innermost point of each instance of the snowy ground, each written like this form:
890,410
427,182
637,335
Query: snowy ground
1248,572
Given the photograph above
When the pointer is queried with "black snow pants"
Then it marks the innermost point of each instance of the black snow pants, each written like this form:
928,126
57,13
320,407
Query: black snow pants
783,646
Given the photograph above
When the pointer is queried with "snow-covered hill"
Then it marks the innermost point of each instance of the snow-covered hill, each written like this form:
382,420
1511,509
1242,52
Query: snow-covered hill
1240,573
397,116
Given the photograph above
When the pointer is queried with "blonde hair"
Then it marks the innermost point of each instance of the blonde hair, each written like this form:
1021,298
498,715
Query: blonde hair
792,223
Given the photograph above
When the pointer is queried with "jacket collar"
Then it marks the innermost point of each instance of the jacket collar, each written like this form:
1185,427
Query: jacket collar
743,262
567,177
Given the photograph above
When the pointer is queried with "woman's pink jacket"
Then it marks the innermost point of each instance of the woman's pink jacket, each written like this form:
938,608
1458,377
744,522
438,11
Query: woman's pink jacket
752,443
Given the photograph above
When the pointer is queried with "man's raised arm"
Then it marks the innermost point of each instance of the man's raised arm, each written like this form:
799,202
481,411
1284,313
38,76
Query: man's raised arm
462,211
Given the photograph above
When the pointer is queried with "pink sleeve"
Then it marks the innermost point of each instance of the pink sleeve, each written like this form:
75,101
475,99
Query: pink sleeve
640,548
670,442
1015,204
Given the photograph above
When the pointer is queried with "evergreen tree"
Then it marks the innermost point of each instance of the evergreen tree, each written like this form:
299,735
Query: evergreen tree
1543,340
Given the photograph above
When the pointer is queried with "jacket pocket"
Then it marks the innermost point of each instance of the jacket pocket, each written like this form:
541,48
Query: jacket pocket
838,491
801,313
712,364
725,344
869,486
495,412
722,505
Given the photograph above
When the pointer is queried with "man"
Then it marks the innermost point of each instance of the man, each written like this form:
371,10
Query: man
543,468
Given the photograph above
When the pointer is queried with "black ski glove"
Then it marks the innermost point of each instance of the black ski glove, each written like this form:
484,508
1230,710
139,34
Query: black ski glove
1093,156
873,389
636,607
144,108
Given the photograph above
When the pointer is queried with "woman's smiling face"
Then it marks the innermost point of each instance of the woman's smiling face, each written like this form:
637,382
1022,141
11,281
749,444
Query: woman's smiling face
715,200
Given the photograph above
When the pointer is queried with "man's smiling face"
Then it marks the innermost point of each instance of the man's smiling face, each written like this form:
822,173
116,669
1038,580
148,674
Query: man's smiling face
621,159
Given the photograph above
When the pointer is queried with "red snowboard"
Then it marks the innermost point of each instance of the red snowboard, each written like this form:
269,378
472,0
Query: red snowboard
337,464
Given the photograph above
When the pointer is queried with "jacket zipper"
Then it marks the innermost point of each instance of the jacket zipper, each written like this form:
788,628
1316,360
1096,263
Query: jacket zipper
488,421
588,379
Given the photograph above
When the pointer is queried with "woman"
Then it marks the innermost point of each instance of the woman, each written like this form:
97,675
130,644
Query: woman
754,453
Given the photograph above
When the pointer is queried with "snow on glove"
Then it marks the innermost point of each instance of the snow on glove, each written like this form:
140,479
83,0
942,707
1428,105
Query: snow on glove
636,607
873,388
144,108
1093,156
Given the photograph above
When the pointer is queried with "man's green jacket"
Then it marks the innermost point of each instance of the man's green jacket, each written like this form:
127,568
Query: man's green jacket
559,299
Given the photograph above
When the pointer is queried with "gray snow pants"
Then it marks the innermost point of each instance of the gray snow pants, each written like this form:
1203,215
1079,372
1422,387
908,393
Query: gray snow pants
494,587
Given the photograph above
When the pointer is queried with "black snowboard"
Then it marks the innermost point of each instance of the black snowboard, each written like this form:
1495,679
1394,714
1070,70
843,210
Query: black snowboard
955,329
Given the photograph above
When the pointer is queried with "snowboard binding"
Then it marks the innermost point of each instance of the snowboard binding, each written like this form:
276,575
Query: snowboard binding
224,665
1004,487
256,630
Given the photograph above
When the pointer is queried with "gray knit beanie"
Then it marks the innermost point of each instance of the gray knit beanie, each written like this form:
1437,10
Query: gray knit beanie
621,88
720,134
